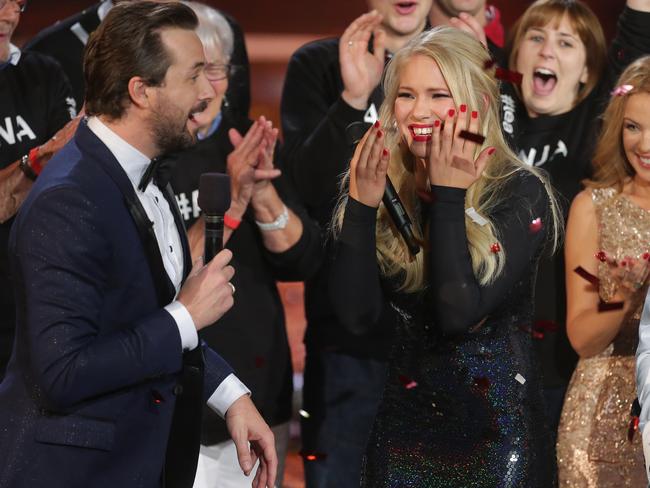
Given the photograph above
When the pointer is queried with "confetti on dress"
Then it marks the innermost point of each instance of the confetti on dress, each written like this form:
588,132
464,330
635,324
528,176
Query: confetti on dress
476,217
535,226
520,379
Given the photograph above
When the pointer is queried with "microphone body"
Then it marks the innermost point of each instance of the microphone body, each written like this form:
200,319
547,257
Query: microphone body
214,200
213,236
399,216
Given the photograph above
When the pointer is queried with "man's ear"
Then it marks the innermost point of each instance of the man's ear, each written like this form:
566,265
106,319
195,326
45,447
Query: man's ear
139,92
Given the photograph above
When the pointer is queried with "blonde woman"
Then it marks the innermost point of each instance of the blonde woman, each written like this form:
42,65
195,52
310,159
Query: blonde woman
608,236
462,404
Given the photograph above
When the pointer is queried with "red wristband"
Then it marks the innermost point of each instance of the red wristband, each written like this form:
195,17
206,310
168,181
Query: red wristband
34,162
230,222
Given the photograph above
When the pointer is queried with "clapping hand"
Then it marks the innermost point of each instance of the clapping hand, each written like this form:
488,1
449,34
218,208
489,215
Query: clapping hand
251,162
452,161
361,70
469,24
368,168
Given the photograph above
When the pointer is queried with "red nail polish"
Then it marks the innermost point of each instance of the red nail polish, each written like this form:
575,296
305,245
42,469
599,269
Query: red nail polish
463,108
379,133
474,114
491,151
451,112
376,124
436,124
385,152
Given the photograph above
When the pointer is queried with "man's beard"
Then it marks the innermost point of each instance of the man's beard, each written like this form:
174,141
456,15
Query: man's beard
169,128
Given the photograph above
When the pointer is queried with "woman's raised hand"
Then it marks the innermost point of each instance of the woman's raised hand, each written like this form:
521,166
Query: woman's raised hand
451,160
361,70
250,162
368,168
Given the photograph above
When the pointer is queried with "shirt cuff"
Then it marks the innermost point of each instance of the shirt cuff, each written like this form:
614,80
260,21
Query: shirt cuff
185,324
226,393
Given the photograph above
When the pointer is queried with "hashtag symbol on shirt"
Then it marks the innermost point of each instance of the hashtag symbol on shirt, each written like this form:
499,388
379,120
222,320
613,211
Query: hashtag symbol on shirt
184,206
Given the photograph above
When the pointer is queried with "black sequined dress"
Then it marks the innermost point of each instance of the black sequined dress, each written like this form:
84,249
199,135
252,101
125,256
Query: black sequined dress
462,406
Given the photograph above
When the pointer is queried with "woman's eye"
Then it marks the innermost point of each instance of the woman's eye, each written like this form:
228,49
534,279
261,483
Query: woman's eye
440,95
536,38
565,44
404,95
630,126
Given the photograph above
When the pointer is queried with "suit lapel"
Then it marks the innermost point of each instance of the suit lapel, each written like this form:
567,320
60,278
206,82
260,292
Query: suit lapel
88,142
178,220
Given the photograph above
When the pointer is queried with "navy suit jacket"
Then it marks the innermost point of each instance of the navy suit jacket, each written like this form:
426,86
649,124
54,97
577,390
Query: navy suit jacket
92,385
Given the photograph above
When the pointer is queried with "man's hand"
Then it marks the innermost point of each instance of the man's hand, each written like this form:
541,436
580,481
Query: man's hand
253,440
361,70
207,292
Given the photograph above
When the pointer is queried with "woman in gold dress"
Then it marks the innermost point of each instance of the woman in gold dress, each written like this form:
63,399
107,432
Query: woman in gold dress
607,252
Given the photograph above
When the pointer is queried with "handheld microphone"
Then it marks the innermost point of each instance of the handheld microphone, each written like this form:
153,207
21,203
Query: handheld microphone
400,218
354,133
214,200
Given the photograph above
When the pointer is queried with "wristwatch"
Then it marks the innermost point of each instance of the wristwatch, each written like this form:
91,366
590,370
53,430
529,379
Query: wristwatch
279,223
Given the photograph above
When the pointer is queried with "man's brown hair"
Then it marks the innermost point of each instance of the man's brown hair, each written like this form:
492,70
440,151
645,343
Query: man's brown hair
128,44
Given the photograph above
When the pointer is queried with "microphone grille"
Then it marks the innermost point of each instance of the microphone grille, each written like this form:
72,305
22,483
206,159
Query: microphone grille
214,193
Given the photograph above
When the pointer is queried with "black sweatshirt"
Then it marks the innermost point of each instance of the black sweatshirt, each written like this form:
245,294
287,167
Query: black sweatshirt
65,41
251,336
35,102
564,145
456,299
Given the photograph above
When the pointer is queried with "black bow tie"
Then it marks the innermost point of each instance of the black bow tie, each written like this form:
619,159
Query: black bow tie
159,170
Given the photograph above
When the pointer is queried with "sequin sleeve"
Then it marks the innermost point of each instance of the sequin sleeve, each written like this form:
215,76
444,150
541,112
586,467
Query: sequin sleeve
458,301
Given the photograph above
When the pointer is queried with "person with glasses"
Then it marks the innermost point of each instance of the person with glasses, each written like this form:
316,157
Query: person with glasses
271,240
35,102
66,39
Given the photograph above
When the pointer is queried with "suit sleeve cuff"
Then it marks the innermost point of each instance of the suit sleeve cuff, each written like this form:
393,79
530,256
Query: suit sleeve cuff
185,324
226,393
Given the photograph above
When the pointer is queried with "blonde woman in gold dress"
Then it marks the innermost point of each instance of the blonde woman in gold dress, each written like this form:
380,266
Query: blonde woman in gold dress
607,242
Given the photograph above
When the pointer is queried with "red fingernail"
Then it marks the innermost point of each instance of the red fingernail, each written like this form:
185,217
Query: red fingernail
376,124
463,108
451,112
491,151
436,124
379,133
474,114
385,152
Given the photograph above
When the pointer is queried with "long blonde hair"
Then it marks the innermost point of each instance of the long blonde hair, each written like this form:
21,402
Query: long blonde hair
611,167
462,60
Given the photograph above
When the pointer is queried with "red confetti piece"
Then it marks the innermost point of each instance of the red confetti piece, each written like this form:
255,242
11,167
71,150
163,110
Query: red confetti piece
313,456
157,397
609,306
489,63
482,384
621,91
541,327
407,382
495,248
535,226
471,136
633,427
583,273
646,256
601,256
510,76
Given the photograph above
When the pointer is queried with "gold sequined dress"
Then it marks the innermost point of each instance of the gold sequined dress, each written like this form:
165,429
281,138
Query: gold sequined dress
593,448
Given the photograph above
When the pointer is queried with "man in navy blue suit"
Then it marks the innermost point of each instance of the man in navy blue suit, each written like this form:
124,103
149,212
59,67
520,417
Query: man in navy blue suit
107,376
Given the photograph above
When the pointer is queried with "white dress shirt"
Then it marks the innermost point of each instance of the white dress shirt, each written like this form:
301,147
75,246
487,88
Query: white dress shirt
643,378
134,164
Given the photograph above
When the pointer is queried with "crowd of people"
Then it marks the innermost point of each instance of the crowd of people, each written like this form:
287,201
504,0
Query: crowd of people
493,334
